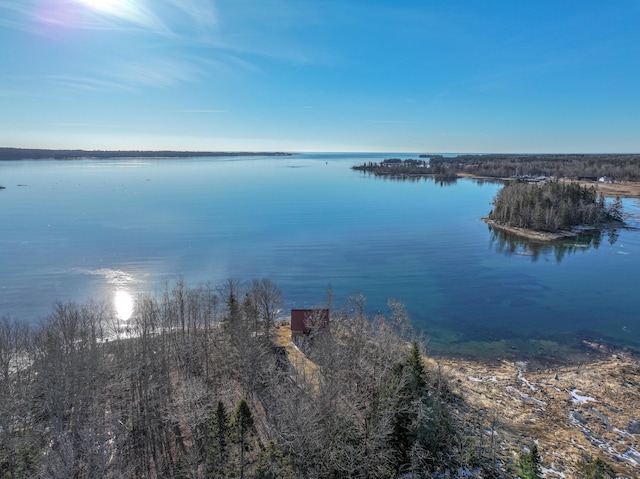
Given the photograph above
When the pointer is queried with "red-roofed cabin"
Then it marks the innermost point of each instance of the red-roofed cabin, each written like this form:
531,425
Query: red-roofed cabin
308,322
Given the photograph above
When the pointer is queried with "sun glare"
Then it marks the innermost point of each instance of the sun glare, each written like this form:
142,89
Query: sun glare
104,6
124,305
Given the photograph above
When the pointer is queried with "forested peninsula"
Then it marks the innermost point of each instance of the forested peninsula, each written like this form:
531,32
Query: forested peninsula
12,154
207,382
614,167
545,197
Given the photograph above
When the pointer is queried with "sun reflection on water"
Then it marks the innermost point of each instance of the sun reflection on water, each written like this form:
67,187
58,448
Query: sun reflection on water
124,305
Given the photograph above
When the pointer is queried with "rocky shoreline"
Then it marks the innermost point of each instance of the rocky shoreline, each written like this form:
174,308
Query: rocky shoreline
572,412
544,236
530,234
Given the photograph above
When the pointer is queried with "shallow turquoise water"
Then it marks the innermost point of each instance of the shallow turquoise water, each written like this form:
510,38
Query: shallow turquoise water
87,228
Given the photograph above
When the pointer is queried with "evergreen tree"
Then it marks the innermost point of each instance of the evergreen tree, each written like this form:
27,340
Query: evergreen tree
230,291
530,464
233,308
250,313
218,449
402,434
596,469
244,430
551,206
615,210
273,465
420,424
417,370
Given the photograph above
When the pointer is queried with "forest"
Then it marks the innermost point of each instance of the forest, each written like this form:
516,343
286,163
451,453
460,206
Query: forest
616,167
12,154
193,387
553,206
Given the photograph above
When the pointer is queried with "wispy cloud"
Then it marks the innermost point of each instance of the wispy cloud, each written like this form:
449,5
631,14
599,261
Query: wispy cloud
18,94
220,63
157,17
265,28
131,77
390,121
200,111
202,12
19,7
84,125
160,73
135,12
15,25
108,15
88,83
273,29
18,15
519,71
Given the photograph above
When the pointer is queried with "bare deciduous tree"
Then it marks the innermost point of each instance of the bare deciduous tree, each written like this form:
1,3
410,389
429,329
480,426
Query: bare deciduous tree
268,300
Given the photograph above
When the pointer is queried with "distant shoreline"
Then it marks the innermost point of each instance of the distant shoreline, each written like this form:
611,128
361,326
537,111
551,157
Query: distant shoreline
13,154
610,173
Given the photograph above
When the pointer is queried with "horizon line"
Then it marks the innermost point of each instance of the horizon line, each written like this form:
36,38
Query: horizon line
292,152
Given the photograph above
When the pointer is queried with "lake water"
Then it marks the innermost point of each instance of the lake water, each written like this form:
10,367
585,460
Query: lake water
85,229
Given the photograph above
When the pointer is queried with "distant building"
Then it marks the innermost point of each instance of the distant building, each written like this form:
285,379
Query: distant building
308,322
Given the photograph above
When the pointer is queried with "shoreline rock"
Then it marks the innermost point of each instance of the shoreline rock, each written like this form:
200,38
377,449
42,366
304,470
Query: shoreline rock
546,237
531,234
571,411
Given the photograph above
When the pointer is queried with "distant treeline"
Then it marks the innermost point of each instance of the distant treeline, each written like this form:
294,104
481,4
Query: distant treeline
552,206
397,168
8,154
617,167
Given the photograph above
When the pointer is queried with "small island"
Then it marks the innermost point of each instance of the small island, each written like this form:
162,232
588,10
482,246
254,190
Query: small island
553,209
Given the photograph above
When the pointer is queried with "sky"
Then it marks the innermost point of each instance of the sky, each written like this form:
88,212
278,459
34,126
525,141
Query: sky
324,75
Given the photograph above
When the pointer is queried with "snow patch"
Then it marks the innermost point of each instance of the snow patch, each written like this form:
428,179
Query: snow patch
632,456
548,473
481,380
527,383
526,397
579,399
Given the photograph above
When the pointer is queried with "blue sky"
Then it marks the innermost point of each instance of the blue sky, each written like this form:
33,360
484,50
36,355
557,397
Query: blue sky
297,75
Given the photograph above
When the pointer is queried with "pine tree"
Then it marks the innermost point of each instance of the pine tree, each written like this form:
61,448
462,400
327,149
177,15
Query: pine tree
615,210
250,313
218,448
244,429
416,369
530,464
596,469
413,422
273,465
233,307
